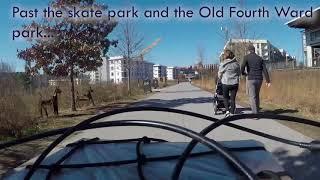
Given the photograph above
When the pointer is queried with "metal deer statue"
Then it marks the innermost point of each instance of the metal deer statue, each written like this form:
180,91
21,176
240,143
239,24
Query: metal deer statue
43,104
85,97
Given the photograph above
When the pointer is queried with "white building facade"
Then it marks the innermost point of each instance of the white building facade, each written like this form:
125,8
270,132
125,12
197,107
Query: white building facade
115,70
172,73
263,48
274,57
310,37
101,75
159,71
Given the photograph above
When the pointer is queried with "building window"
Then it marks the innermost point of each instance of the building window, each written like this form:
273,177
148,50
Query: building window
316,57
314,36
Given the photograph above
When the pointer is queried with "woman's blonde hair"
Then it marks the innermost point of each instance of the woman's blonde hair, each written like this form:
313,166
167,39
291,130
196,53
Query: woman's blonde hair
228,54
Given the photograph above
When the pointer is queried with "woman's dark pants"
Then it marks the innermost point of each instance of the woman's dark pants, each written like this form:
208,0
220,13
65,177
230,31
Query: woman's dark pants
229,95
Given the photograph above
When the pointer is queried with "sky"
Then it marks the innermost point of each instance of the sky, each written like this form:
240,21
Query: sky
180,38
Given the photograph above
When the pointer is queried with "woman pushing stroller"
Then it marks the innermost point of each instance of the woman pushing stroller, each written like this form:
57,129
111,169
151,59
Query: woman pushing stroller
229,74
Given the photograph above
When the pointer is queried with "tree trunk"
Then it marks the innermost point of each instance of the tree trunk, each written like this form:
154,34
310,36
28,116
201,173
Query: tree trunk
202,78
129,76
129,79
73,102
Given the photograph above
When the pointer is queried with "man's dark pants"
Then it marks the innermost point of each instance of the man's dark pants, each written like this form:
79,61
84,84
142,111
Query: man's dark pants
229,95
254,87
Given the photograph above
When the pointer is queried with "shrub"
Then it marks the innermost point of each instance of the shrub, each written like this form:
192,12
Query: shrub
15,116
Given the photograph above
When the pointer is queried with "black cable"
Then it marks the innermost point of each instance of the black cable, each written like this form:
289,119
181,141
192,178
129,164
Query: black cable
80,144
106,114
150,159
204,132
309,146
268,175
92,119
141,158
32,138
213,145
96,125
116,141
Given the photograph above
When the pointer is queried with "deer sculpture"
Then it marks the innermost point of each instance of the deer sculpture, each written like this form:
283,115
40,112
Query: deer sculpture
87,97
43,104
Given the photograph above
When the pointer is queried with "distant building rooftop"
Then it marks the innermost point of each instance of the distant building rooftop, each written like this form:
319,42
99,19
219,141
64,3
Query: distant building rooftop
115,58
249,40
306,22
157,65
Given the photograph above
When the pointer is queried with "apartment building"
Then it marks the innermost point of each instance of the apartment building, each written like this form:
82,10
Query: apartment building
274,57
159,71
172,73
101,75
263,48
115,70
310,37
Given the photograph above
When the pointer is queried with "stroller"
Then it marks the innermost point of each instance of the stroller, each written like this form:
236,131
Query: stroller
218,98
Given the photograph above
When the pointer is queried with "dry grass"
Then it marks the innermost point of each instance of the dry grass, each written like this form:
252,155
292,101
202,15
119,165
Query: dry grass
297,89
20,114
101,93
15,115
206,83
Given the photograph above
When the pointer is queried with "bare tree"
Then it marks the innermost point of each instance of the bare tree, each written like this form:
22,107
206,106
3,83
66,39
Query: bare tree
130,44
4,67
201,55
200,61
241,31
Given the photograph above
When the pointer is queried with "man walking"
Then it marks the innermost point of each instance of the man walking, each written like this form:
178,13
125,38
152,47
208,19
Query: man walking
255,69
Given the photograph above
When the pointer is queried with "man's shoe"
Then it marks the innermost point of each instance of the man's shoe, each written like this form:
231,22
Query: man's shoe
227,114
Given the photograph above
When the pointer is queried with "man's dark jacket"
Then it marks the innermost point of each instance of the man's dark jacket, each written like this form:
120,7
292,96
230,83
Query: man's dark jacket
255,67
